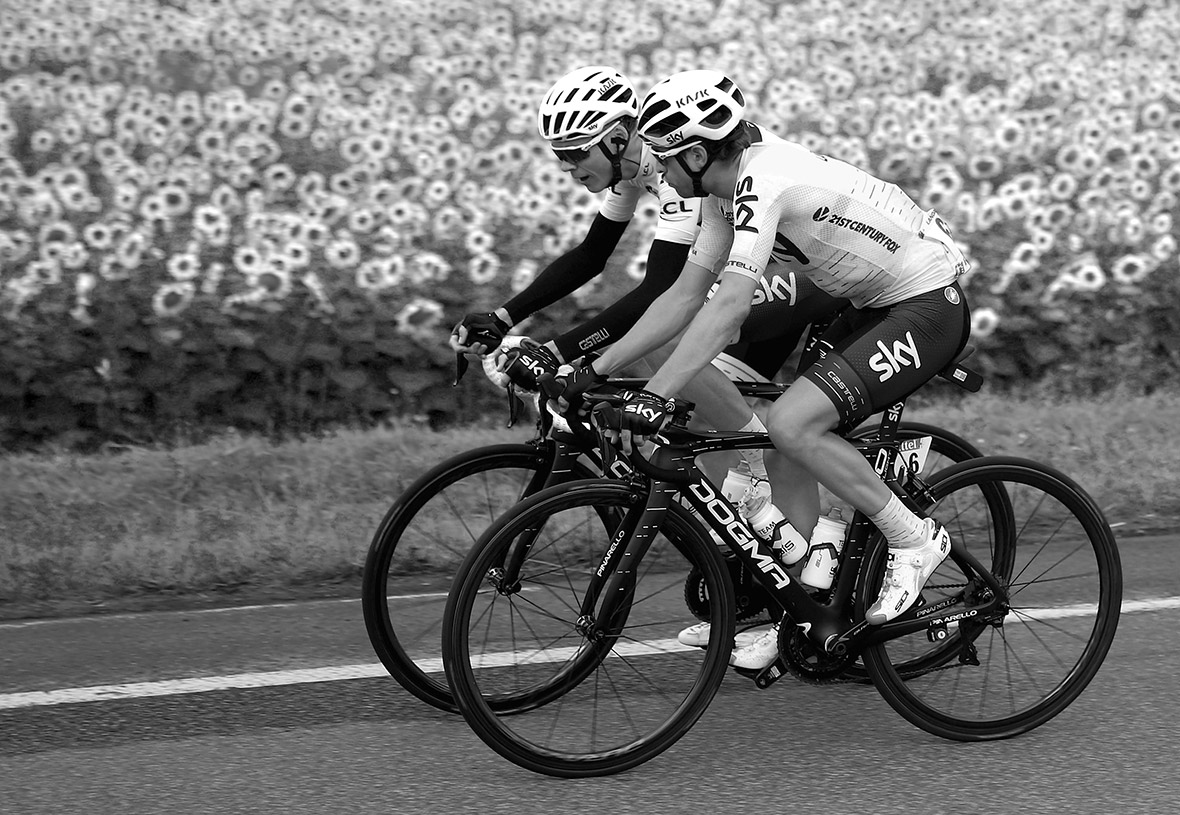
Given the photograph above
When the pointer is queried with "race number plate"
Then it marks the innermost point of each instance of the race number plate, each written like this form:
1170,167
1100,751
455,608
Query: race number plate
911,455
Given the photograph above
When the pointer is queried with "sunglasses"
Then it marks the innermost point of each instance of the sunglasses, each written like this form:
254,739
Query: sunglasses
574,156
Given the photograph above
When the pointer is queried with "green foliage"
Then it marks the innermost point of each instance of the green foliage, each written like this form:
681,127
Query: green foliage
212,216
131,376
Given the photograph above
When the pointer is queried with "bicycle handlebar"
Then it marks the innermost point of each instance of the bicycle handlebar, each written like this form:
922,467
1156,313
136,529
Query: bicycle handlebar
611,394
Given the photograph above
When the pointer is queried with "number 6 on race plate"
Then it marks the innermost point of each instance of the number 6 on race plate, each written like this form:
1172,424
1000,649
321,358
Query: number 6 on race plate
911,455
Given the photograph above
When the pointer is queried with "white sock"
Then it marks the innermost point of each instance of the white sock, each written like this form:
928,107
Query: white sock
754,457
901,528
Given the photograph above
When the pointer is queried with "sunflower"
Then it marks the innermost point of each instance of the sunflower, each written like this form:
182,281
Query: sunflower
1130,269
173,298
984,322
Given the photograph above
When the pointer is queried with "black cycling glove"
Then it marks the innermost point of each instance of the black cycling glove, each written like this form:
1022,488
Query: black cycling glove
569,388
643,413
530,365
483,328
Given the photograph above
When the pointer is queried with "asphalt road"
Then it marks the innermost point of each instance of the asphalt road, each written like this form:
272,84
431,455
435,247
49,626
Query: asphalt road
134,713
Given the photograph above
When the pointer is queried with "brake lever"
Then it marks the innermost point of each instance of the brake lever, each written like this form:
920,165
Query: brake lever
544,417
461,366
515,404
606,451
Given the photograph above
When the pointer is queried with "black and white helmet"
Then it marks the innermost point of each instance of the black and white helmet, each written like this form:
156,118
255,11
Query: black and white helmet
580,108
687,108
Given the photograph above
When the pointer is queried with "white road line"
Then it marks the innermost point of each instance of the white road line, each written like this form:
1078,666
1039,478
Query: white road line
188,612
173,687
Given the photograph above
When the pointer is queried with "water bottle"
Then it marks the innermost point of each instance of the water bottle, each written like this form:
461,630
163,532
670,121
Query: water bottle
770,524
735,485
827,542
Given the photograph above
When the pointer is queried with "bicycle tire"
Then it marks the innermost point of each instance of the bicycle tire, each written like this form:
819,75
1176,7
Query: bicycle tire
1058,561
584,716
407,639
946,448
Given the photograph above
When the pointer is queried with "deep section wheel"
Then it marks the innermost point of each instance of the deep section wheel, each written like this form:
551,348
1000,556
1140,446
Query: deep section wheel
532,671
1014,667
420,543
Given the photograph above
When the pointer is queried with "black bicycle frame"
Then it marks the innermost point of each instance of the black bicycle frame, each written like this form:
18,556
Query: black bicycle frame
824,617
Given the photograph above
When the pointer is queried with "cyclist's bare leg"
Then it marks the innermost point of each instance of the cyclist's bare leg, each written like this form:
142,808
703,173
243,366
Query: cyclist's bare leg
720,406
800,424
795,490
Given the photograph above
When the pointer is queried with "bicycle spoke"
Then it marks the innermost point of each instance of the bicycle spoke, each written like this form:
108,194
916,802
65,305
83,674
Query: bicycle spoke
1054,553
591,693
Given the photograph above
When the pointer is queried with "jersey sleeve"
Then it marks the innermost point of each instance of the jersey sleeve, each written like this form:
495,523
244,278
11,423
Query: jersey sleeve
756,215
620,202
664,262
714,238
575,268
679,218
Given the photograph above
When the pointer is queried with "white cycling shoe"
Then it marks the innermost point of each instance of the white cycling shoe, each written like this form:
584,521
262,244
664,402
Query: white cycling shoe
695,635
759,653
906,574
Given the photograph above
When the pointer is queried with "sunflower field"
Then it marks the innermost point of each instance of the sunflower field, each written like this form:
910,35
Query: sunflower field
267,214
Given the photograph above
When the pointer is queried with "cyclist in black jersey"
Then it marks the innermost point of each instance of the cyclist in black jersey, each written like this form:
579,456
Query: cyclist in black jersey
854,236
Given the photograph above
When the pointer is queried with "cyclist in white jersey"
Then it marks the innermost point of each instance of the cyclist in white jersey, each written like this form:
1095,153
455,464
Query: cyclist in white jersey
854,236
588,117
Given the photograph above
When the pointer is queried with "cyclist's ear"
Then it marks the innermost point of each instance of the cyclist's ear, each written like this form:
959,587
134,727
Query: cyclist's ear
620,136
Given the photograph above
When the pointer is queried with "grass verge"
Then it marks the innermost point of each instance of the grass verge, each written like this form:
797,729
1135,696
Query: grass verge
243,517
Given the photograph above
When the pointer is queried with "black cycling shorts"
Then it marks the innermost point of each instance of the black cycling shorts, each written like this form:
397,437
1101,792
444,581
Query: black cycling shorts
872,358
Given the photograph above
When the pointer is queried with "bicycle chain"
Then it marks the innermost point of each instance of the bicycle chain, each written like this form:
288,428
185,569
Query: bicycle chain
795,650
751,599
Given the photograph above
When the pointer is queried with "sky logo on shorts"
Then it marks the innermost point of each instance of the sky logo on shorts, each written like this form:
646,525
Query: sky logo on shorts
890,361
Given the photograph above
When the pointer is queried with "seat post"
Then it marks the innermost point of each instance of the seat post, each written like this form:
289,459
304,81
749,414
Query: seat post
890,421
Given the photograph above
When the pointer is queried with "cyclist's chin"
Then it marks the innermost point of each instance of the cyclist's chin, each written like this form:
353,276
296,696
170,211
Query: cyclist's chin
594,183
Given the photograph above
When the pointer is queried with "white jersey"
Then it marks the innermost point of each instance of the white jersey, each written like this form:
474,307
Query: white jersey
854,235
679,218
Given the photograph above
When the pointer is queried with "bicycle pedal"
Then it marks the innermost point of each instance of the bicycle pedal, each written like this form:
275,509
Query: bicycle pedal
937,632
764,677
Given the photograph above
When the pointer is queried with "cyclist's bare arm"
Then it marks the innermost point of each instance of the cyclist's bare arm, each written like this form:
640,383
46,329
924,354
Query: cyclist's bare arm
663,320
713,327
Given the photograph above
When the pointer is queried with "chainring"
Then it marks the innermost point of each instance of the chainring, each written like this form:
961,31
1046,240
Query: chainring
808,664
751,599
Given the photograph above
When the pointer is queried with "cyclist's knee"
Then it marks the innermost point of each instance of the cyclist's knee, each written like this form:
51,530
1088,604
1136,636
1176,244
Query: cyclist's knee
796,422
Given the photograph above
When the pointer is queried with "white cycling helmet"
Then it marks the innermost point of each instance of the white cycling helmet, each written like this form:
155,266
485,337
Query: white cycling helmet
580,108
687,108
